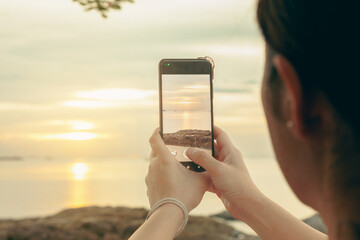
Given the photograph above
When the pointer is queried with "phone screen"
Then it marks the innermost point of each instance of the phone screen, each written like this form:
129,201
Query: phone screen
186,110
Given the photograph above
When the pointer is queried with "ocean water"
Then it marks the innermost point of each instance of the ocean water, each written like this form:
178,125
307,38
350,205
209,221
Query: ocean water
38,187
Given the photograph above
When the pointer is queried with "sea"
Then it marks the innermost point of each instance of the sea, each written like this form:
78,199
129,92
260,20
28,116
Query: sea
36,187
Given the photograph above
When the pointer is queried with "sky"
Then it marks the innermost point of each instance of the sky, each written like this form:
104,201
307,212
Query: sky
73,84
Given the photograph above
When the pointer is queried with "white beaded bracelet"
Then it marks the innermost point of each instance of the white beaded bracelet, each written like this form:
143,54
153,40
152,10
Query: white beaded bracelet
175,202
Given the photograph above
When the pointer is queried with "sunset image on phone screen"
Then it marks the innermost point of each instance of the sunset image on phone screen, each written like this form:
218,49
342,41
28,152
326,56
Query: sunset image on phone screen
186,113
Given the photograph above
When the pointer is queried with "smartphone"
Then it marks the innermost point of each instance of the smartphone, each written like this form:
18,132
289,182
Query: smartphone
186,107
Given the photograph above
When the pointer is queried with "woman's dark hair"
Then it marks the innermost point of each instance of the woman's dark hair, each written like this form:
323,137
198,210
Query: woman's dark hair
321,38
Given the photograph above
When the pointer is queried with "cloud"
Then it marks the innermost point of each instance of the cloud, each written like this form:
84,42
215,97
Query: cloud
113,98
117,94
233,90
75,124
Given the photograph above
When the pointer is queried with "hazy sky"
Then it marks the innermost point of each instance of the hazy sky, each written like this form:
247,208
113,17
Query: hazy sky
73,84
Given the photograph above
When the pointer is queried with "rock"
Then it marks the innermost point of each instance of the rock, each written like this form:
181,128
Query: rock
316,222
189,138
107,223
225,215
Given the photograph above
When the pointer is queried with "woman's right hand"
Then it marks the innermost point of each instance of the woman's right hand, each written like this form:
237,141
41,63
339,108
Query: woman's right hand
231,180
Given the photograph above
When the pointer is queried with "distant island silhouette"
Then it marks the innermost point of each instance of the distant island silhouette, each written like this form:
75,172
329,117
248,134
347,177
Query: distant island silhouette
11,158
189,138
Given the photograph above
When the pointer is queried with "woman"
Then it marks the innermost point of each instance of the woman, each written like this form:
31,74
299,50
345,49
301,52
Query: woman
309,98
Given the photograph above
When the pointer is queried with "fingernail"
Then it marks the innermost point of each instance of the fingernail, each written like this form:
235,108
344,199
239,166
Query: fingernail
191,151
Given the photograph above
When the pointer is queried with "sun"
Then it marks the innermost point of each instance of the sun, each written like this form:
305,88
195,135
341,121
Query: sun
79,170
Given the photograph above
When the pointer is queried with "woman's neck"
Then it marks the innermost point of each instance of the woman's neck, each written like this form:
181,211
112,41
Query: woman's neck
340,212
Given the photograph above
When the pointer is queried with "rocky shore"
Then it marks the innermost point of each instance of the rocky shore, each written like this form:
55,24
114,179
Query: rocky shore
189,138
108,223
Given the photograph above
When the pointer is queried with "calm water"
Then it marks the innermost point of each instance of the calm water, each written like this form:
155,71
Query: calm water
35,187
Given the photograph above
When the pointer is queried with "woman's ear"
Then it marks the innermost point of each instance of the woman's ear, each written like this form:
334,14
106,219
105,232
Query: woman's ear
293,101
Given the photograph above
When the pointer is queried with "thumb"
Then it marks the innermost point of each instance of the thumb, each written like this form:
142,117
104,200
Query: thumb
203,159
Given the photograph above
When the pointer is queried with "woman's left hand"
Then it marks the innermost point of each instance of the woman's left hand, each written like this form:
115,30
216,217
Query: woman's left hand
168,178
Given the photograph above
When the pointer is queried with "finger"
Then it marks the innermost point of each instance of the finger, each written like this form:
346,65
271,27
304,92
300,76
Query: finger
210,164
217,152
147,180
153,161
216,145
152,155
211,188
156,142
222,139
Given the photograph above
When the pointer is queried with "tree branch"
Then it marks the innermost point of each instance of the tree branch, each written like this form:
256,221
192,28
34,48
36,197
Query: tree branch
102,6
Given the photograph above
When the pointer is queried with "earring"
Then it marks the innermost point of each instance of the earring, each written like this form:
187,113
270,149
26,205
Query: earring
289,124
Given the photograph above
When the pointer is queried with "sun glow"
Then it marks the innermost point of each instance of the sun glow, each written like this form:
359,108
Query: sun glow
74,124
80,125
78,136
88,104
79,170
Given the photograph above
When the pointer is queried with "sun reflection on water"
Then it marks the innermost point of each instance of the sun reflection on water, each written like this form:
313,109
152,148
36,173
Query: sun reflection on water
79,190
